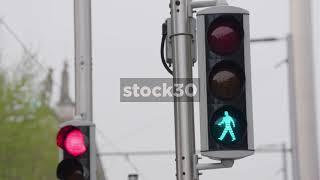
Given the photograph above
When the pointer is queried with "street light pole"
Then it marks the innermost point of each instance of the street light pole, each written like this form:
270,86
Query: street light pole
302,92
181,14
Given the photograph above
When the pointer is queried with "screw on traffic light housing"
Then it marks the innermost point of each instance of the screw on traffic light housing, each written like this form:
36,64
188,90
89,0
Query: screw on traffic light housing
225,82
77,151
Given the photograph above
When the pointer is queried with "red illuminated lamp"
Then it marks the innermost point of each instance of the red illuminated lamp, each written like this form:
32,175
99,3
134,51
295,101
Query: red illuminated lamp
224,36
72,140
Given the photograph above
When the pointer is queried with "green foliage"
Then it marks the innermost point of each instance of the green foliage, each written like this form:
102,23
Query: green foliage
28,128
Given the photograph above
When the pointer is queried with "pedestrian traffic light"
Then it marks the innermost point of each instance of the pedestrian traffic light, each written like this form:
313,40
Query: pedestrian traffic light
225,82
77,151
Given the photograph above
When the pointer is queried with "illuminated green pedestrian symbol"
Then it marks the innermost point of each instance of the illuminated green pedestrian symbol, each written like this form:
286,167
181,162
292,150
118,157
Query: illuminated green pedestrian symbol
227,121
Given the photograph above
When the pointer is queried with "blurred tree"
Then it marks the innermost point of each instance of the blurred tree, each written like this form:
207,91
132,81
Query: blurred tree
27,129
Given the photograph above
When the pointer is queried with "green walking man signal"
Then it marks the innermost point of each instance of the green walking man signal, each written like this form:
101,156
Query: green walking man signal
227,120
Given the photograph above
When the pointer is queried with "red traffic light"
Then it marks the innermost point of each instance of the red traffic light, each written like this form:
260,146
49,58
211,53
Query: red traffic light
225,35
72,140
75,143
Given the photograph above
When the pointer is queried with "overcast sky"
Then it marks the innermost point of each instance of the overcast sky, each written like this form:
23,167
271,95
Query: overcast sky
126,41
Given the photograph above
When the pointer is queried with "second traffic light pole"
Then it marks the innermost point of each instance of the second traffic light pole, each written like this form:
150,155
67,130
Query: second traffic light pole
83,58
83,69
182,68
302,92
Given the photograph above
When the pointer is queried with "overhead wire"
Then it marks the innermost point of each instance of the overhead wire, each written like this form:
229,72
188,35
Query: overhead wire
31,55
127,157
107,139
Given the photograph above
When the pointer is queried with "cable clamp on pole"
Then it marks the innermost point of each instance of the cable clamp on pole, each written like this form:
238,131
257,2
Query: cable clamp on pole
181,34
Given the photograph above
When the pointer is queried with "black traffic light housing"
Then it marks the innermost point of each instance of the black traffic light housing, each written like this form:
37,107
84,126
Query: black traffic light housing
77,150
70,168
225,82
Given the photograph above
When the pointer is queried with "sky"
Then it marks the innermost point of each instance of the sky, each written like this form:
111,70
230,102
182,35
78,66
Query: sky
126,43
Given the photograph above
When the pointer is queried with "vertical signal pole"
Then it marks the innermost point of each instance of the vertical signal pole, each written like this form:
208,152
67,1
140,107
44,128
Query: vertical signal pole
292,110
83,70
182,68
284,161
83,58
303,93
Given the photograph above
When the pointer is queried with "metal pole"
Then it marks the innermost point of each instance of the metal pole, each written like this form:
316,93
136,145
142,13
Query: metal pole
292,109
83,59
83,71
284,160
302,95
181,14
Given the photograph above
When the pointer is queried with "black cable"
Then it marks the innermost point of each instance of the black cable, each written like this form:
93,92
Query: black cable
163,39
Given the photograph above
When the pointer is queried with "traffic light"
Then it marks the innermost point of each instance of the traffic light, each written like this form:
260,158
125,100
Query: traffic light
77,151
225,82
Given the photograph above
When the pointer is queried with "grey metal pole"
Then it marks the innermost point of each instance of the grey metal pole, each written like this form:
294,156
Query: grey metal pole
292,110
181,14
83,71
302,96
83,59
284,161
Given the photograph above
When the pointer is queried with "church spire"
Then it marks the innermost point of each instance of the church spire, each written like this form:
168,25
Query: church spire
64,91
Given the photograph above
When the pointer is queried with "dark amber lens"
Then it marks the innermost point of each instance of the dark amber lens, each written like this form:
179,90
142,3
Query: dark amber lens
225,84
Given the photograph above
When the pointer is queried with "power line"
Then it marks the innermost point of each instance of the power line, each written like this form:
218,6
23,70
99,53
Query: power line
262,150
172,152
137,153
107,139
27,51
267,39
127,158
